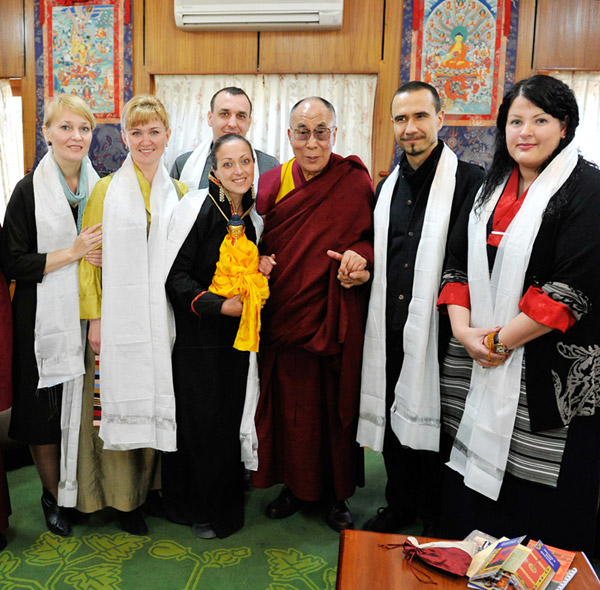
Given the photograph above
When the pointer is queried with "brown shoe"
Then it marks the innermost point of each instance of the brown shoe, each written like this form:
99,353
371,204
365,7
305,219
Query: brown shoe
284,505
338,515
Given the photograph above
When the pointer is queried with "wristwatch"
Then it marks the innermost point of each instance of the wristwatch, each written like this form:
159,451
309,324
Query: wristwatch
500,347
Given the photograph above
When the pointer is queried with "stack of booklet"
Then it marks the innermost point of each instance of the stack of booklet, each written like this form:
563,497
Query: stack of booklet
507,564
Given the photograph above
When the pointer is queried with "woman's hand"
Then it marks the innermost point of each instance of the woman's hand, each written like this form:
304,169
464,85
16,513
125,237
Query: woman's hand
473,339
94,257
88,239
266,264
233,307
94,335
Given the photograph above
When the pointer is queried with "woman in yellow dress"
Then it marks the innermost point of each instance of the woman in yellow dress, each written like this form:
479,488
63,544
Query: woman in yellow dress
126,305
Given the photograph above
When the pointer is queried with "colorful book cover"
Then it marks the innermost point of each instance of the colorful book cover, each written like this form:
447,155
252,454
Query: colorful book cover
498,556
536,570
564,557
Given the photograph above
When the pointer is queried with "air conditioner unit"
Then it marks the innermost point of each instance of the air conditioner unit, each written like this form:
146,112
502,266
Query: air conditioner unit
277,15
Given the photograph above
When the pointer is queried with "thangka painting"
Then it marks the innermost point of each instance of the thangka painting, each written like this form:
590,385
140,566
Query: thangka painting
467,50
460,49
84,47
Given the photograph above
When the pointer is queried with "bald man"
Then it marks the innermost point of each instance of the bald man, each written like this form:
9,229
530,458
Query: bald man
318,230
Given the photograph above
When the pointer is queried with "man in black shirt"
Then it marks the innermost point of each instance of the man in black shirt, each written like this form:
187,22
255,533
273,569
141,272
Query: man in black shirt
416,206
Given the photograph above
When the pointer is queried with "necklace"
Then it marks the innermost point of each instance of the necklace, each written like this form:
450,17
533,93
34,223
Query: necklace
231,207
223,194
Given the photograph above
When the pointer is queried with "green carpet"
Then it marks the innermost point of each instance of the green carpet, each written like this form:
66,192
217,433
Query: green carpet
298,553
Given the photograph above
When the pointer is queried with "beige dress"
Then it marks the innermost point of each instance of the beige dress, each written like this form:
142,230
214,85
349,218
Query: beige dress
120,479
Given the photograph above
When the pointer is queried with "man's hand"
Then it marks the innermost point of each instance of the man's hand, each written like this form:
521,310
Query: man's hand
266,264
353,268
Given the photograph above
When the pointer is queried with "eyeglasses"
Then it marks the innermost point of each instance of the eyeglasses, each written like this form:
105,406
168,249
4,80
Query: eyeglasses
320,134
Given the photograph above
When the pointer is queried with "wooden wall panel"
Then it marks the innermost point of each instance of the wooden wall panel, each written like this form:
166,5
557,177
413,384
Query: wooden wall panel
524,65
591,47
355,48
28,91
12,39
169,50
566,34
389,80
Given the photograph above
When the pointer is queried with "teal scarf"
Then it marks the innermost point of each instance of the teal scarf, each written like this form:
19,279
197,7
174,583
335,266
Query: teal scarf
80,198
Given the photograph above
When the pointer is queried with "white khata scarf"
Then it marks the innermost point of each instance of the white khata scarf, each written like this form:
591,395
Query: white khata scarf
59,337
415,414
182,221
194,166
482,442
138,404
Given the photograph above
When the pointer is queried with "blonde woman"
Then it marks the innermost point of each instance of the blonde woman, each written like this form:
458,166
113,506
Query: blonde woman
42,240
130,325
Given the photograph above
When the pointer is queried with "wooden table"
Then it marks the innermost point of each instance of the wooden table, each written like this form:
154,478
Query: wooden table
363,565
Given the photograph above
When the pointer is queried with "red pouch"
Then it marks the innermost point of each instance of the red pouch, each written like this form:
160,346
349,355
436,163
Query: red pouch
450,556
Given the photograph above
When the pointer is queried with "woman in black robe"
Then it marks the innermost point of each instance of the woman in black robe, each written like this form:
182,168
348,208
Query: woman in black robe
549,416
36,411
203,481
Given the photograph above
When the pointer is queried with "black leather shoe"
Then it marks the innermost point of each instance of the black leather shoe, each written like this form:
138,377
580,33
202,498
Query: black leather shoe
133,522
56,519
338,515
76,516
387,520
284,505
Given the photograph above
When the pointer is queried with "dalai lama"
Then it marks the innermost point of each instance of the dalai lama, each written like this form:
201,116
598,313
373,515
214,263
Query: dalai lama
318,232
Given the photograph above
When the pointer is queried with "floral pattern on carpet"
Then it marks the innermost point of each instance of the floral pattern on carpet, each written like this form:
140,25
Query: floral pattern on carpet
97,561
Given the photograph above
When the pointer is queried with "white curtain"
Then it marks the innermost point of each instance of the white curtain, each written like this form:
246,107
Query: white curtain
11,144
187,100
586,87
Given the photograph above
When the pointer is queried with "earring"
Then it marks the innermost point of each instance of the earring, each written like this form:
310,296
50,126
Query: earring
221,194
49,144
252,192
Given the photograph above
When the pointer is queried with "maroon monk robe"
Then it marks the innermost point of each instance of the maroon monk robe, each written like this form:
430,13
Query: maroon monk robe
5,385
312,332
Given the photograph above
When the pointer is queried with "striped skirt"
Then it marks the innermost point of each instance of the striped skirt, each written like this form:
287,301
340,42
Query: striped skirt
534,457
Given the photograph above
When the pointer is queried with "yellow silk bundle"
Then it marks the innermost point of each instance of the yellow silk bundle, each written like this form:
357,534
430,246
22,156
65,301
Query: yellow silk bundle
237,274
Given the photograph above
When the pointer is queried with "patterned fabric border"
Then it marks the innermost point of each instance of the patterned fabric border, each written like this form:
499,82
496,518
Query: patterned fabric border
85,47
471,140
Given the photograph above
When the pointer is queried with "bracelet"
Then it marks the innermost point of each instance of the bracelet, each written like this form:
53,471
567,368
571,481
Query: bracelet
489,342
499,347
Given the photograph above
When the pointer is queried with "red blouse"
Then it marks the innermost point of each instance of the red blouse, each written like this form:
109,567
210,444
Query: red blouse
535,303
